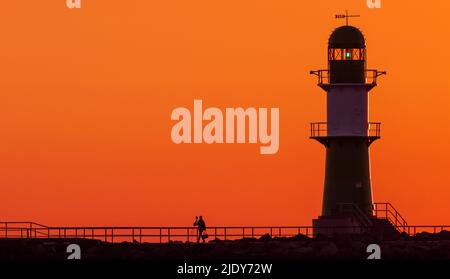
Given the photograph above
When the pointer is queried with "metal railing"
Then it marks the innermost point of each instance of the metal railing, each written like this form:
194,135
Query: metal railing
374,129
13,230
21,230
387,211
414,230
371,76
320,129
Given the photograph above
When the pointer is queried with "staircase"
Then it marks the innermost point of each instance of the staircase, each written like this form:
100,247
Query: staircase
388,213
386,222
384,229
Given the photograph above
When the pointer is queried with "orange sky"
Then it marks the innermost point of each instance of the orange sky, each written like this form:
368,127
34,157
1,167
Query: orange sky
86,98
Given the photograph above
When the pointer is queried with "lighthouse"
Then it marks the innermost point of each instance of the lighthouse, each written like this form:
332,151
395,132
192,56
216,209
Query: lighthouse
347,134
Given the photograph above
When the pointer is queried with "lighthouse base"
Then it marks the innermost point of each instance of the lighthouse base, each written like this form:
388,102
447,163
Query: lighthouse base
331,225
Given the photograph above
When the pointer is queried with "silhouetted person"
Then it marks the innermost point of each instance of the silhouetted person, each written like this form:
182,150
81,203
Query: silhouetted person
201,228
195,225
196,221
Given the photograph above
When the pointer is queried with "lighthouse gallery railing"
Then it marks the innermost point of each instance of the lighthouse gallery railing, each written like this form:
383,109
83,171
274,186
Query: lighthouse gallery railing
370,75
320,129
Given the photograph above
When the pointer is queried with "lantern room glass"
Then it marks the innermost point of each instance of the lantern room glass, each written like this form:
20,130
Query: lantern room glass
356,54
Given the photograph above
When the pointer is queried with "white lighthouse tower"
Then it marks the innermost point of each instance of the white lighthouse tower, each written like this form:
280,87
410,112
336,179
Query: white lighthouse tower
347,134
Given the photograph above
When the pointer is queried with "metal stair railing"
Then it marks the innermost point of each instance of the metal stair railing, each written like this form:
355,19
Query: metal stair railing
23,230
387,211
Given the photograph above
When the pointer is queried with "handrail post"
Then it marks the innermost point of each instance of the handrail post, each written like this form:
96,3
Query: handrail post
396,214
375,210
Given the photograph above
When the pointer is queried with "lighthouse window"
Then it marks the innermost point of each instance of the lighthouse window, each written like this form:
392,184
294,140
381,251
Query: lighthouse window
346,54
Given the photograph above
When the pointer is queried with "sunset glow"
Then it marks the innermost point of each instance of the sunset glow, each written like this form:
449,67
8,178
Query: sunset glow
87,97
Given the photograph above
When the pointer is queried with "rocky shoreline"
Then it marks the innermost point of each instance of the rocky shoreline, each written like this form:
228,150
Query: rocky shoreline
421,246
